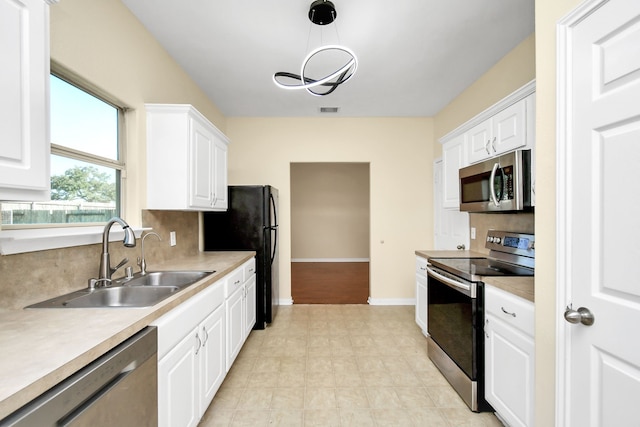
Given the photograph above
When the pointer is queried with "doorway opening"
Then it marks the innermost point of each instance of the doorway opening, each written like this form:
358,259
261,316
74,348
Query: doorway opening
330,217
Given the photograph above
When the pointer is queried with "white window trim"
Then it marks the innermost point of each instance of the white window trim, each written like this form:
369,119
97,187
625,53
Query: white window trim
41,239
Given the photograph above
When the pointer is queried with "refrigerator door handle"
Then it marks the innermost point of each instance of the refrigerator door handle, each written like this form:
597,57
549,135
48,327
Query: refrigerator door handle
274,227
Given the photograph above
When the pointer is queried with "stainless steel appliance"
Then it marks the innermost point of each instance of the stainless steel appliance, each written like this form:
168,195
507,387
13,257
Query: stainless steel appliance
497,185
251,222
117,389
455,309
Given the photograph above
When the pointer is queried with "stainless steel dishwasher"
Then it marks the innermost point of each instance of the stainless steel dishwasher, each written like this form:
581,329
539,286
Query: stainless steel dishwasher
117,389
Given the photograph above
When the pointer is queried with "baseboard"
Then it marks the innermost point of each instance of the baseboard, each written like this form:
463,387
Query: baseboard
391,301
329,259
285,301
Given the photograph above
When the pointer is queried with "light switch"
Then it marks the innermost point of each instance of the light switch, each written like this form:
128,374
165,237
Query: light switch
473,233
172,238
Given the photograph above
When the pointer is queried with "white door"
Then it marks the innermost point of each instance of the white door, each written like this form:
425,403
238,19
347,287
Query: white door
451,225
599,229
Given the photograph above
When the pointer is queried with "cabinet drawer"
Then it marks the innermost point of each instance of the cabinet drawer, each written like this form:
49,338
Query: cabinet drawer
249,268
234,281
511,309
174,325
421,266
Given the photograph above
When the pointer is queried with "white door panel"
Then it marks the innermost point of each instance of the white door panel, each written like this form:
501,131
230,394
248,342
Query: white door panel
599,229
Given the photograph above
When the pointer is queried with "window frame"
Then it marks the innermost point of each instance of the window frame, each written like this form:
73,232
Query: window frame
120,165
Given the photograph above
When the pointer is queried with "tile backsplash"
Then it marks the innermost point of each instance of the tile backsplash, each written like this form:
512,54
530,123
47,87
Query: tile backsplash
35,276
517,222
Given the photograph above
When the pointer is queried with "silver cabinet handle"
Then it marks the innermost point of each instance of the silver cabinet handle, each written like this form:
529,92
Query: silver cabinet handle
507,312
486,147
199,343
206,336
493,144
582,315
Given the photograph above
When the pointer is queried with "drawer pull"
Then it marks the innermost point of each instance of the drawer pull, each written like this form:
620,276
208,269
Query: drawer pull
506,312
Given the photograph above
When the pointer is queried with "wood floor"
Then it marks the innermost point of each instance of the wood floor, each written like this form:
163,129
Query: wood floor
330,282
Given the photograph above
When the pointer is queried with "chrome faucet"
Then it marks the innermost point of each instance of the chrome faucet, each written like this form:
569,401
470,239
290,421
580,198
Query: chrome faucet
105,263
141,261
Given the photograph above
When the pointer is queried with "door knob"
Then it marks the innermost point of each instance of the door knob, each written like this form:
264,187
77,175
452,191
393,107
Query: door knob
460,247
582,315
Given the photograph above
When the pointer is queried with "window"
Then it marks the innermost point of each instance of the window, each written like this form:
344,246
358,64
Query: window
86,166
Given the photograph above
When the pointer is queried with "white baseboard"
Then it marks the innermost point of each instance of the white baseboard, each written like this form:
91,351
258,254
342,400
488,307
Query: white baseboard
286,301
329,259
391,301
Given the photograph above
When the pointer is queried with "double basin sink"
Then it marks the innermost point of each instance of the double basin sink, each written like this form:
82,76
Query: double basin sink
139,291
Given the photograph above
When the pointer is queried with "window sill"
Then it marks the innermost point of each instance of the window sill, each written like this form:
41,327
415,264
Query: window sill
41,239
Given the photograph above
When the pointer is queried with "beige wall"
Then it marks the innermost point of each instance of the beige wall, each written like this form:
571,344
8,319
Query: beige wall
104,44
329,210
513,71
399,152
548,12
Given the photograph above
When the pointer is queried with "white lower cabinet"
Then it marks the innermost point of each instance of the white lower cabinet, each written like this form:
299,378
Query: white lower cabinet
421,294
194,342
240,308
509,356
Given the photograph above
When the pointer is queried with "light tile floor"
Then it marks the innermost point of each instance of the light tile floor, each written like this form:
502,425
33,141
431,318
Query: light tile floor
339,365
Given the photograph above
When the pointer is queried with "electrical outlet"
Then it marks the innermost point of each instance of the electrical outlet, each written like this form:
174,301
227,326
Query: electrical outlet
473,233
172,238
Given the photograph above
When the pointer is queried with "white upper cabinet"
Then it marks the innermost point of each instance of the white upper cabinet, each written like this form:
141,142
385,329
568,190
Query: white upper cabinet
186,160
506,131
24,84
453,158
505,126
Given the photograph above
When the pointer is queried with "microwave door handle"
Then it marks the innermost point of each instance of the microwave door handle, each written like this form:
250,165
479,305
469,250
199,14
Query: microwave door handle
492,189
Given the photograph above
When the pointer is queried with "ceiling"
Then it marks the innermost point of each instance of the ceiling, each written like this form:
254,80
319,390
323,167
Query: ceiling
414,56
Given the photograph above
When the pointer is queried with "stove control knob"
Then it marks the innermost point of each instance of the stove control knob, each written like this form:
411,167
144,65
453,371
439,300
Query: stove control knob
497,240
489,239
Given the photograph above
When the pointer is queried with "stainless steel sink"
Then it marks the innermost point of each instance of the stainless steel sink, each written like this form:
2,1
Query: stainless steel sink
164,278
140,291
122,296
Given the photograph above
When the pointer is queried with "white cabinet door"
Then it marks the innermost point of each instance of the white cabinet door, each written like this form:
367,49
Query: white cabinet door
178,401
507,130
250,304
235,325
509,372
453,158
509,356
479,139
421,302
186,160
220,194
212,357
451,228
202,178
24,84
510,129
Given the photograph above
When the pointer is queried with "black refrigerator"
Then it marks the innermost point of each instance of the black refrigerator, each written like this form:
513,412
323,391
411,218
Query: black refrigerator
250,223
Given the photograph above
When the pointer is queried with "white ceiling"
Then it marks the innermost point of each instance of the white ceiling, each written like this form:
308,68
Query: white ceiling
414,56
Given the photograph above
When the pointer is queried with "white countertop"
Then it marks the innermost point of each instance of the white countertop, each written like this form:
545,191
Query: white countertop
41,347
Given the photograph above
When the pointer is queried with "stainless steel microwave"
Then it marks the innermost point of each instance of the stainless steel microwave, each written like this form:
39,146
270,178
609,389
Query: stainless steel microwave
500,184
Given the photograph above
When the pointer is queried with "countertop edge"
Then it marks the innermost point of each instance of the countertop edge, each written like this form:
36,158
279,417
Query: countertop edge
523,287
136,320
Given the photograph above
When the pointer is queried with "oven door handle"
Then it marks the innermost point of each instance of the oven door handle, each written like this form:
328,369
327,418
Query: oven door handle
461,287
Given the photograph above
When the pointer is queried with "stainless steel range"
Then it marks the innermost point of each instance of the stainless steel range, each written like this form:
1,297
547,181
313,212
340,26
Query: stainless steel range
455,309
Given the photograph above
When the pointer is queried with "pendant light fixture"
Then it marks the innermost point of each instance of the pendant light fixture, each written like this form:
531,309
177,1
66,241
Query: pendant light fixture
336,63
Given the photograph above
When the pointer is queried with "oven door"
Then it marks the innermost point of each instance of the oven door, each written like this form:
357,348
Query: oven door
453,319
